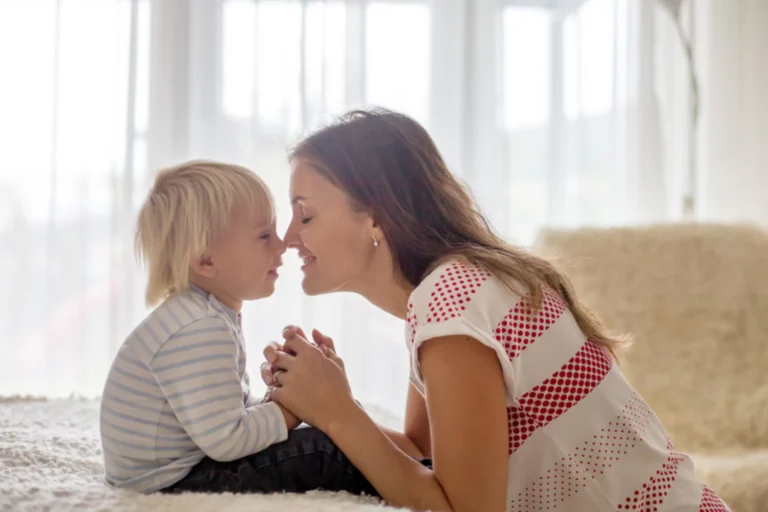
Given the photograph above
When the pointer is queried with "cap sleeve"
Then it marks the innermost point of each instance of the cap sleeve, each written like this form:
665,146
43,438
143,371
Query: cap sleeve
456,299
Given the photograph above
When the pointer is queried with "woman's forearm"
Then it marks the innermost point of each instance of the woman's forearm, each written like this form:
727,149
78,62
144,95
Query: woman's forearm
400,439
401,480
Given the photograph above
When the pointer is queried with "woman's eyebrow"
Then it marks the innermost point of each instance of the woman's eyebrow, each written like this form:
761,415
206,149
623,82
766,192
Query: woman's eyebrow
297,199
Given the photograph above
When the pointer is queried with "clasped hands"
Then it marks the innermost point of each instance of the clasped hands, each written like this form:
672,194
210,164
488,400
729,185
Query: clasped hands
306,379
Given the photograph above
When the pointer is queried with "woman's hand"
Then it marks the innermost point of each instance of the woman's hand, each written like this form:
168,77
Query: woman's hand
326,346
308,382
323,342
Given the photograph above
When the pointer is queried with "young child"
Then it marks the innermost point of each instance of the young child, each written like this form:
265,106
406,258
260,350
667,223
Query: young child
177,412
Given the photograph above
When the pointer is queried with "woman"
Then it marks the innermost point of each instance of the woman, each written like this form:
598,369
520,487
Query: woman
514,390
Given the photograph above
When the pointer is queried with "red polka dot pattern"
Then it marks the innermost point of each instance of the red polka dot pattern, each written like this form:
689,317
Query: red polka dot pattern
453,290
636,415
564,480
651,496
616,439
412,323
558,393
588,461
549,491
523,324
711,502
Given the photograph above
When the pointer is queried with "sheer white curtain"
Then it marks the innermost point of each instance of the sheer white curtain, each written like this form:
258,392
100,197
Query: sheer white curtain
543,107
580,119
70,169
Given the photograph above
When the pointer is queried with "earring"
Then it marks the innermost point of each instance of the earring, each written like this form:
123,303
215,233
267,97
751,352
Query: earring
375,242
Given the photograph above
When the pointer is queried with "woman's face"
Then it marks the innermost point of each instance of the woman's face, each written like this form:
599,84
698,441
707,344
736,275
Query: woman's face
335,242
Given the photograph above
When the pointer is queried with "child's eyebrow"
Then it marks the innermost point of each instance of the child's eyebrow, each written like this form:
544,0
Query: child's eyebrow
261,227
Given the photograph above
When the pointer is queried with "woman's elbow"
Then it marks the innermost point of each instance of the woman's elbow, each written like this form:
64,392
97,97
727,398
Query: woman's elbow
421,442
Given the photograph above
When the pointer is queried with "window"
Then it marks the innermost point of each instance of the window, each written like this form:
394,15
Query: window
66,186
560,73
532,102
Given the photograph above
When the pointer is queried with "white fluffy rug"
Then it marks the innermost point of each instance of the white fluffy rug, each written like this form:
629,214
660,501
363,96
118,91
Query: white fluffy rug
50,459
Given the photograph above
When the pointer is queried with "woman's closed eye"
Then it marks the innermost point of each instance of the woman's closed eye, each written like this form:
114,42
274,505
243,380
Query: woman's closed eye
306,220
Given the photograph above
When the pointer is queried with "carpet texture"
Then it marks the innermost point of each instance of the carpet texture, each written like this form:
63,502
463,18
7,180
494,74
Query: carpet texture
50,459
695,298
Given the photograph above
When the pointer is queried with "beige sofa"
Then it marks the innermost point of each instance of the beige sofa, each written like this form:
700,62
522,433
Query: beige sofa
695,297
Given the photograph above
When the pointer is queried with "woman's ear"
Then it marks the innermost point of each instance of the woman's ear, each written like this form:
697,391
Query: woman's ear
204,266
376,232
378,235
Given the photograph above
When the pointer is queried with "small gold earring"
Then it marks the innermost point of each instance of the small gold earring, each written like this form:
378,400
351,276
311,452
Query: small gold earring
375,242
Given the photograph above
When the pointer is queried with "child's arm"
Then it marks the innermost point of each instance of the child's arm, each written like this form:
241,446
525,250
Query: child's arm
253,400
197,369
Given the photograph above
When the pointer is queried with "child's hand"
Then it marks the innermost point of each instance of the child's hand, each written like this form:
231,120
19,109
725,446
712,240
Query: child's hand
310,383
291,421
326,346
323,342
267,370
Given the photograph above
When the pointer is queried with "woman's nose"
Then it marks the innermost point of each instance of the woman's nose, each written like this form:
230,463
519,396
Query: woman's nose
291,238
281,246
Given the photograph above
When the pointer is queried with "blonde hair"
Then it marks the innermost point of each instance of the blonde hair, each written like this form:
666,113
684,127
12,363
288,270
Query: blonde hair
183,213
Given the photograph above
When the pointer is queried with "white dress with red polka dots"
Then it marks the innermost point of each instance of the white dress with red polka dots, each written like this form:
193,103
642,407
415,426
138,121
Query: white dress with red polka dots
580,437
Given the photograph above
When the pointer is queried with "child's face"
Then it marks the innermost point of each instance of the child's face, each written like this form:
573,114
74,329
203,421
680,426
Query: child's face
246,255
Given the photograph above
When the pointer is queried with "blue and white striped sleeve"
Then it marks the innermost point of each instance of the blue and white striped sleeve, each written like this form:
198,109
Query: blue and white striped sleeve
198,374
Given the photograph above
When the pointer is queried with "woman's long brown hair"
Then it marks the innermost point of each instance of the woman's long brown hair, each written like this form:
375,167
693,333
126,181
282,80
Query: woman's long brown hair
390,167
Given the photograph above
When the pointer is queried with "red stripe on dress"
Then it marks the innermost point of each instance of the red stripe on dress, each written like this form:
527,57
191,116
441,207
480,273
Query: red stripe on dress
523,324
711,502
653,493
575,470
453,290
556,395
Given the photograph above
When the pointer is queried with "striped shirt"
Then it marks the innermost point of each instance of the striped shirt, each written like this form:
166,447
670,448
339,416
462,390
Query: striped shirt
177,392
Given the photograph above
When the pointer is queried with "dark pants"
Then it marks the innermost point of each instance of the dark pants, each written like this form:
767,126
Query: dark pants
307,460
